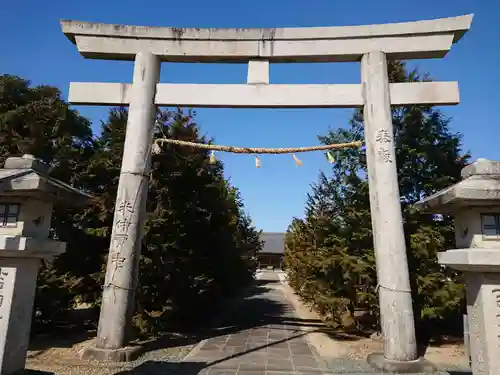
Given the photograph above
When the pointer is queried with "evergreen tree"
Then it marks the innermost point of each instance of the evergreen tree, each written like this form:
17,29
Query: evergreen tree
335,238
35,120
195,244
198,239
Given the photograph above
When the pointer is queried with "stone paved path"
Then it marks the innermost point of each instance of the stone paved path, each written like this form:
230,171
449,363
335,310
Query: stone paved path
260,335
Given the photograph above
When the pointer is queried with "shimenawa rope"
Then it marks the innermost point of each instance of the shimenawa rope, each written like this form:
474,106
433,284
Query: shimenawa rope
256,150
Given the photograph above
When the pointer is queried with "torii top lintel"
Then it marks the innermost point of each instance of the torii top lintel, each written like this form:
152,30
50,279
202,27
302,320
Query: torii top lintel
407,40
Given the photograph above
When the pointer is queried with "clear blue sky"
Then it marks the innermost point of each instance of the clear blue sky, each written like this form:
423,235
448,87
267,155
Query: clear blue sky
34,48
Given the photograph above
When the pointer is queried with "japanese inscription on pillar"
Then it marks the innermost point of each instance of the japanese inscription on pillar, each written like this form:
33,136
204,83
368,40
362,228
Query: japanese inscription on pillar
125,210
384,140
496,294
3,275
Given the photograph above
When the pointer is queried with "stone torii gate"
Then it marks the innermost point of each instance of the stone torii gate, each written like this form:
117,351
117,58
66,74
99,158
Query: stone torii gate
373,45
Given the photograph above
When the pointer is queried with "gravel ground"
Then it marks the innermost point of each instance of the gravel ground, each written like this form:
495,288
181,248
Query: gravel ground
161,361
354,367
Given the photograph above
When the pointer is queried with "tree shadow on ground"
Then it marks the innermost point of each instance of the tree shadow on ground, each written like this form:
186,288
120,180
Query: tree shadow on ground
255,309
67,336
341,336
260,283
79,328
153,367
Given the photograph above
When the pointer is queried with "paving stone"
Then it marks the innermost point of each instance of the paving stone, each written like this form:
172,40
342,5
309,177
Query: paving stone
225,365
310,362
279,365
275,349
217,348
304,357
257,353
257,343
231,342
281,346
246,367
298,344
278,335
259,336
249,346
256,361
312,367
214,343
265,345
219,338
217,371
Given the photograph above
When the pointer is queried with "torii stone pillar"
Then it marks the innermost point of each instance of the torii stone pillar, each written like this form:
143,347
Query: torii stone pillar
118,298
395,300
372,45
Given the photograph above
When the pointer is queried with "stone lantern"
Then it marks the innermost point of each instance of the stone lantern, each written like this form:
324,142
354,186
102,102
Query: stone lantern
475,204
27,196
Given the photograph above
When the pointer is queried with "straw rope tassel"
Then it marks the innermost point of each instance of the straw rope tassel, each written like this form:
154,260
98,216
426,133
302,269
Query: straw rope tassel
297,160
212,157
155,148
330,157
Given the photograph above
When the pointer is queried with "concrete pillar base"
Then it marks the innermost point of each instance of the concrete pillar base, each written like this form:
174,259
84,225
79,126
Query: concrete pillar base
126,354
421,365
